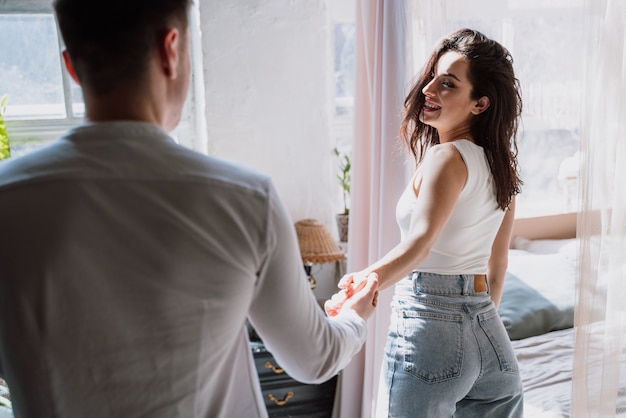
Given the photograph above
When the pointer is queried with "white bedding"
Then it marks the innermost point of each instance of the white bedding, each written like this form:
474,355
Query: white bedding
539,310
546,363
539,290
545,358
546,367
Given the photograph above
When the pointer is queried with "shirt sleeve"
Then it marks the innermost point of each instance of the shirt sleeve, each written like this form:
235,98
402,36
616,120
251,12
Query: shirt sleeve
284,312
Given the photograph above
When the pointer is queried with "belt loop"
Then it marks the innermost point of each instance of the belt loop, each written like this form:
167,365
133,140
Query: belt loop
414,276
466,284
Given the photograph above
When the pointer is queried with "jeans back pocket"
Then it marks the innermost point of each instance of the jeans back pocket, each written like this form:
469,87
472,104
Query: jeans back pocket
432,345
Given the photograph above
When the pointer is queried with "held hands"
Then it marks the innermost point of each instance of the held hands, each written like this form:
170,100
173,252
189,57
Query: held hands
359,294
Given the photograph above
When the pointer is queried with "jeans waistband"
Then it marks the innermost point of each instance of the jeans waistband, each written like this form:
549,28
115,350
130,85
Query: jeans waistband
449,284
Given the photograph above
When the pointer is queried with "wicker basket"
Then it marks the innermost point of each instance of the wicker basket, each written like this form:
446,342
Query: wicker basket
316,244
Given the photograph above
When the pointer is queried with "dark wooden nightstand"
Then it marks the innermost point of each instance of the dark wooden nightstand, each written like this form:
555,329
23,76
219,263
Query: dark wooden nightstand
286,397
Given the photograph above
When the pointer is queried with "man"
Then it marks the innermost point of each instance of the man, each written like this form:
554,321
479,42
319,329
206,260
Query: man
130,264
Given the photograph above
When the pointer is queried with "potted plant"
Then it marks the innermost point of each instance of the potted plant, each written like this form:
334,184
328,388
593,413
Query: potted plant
5,149
343,218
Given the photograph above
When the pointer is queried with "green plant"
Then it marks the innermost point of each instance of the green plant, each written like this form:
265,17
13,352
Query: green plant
344,177
5,149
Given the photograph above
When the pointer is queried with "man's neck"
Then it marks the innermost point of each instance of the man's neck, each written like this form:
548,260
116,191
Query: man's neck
126,104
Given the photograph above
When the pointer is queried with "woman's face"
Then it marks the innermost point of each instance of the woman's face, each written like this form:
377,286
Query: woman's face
448,106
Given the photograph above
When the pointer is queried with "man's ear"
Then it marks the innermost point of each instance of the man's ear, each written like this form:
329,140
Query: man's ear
69,66
170,52
481,105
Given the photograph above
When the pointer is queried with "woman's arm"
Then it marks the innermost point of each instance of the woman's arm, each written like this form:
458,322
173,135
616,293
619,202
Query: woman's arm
443,176
499,259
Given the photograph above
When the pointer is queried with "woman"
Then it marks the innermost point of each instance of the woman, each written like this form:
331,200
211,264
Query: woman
447,352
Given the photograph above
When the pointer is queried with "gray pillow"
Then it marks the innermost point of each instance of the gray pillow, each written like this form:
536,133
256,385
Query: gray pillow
526,312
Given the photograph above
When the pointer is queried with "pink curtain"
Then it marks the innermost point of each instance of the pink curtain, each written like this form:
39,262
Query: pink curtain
378,178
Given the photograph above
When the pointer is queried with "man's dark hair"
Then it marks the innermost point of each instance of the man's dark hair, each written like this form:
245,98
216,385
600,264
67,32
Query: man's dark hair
110,41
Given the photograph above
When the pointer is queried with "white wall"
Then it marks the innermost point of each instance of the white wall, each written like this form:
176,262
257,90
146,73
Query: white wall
267,82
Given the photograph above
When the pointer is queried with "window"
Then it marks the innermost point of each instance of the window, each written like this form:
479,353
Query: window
32,70
343,32
343,47
32,76
43,101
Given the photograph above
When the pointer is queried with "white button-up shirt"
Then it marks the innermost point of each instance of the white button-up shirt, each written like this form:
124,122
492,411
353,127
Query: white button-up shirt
128,267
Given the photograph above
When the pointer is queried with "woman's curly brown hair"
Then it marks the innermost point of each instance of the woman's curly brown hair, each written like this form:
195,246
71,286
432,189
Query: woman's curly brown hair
490,70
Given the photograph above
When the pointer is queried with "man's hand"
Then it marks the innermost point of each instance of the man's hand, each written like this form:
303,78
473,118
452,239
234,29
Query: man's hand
361,296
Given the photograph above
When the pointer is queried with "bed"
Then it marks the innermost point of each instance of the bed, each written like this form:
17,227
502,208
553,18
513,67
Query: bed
537,309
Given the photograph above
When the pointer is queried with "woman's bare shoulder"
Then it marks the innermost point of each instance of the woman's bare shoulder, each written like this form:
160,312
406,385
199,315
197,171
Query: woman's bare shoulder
445,154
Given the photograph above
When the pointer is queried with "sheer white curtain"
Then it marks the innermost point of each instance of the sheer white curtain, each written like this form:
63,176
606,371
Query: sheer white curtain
378,178
601,301
379,167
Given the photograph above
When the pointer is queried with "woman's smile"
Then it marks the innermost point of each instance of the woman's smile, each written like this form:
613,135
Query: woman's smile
430,107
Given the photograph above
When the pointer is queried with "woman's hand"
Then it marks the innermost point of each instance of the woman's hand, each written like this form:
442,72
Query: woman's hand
359,295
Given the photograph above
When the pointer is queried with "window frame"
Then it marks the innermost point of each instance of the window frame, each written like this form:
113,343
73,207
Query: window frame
46,128
192,128
25,6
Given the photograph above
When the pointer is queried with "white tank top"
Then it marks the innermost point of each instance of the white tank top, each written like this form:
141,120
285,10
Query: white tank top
464,245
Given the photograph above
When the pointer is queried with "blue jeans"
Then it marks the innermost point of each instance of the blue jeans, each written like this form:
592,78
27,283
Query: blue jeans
447,353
